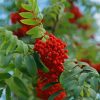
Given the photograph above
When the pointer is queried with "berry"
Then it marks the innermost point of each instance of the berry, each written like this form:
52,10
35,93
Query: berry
76,12
14,17
96,66
44,94
52,53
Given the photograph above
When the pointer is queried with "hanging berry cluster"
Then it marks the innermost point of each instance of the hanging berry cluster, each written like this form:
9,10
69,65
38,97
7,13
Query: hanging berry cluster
52,53
77,14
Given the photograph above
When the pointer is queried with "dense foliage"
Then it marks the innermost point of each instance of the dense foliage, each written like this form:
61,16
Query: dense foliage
35,64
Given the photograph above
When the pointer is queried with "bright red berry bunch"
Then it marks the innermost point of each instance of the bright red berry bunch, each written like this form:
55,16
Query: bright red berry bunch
76,12
44,94
77,15
52,53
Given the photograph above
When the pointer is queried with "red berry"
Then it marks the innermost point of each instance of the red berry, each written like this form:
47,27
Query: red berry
76,12
14,17
44,94
52,53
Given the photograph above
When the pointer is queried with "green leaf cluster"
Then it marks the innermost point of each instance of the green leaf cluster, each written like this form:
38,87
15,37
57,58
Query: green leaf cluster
33,18
18,66
80,81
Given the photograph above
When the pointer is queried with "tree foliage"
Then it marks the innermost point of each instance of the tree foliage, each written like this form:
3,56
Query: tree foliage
21,65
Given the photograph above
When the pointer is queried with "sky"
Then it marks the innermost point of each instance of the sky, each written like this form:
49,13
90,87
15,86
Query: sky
98,1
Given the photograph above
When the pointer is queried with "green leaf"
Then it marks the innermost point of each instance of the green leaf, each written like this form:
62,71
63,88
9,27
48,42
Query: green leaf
27,7
67,4
31,1
77,81
2,84
12,45
8,59
18,60
19,83
82,93
24,71
94,83
54,16
77,70
1,90
5,60
30,65
36,32
19,46
83,64
90,70
49,85
77,90
34,81
43,67
36,8
69,15
30,21
39,63
20,92
26,15
22,47
68,84
8,93
54,95
88,98
4,76
18,3
44,39
82,78
92,93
